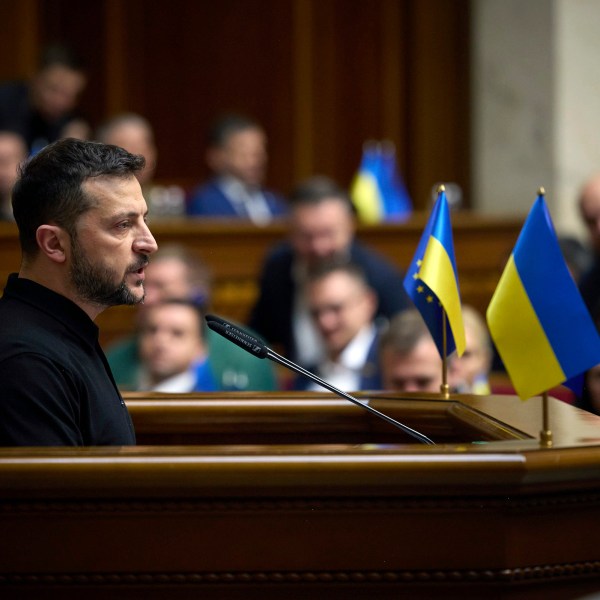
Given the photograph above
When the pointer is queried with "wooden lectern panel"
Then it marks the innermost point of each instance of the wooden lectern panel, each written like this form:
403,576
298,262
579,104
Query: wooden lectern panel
305,496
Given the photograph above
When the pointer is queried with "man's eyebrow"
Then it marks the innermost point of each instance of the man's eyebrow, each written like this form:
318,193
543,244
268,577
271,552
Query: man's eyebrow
127,214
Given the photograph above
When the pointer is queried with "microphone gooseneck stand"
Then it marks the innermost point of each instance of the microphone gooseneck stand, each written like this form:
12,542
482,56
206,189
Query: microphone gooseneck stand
256,347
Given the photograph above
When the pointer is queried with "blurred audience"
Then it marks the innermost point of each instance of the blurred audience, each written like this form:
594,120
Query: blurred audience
590,398
343,307
469,373
134,133
409,359
42,109
237,155
589,207
321,227
13,152
174,274
172,348
577,255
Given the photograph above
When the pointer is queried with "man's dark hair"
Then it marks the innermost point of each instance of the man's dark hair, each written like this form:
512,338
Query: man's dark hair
49,188
337,265
404,332
227,125
317,189
61,55
186,302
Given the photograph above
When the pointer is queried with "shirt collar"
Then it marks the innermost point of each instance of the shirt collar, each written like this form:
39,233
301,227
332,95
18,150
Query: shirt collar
354,355
55,305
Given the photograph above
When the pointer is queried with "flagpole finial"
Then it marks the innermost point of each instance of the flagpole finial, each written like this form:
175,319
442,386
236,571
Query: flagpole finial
441,188
541,191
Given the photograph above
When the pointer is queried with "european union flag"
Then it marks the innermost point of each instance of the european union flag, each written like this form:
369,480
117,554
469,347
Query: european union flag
537,318
432,280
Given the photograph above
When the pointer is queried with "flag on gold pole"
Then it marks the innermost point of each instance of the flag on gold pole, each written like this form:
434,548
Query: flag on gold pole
432,282
537,318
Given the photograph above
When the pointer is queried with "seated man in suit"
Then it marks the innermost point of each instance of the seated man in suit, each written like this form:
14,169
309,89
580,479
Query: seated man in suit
174,273
322,227
237,155
174,354
43,109
409,358
343,307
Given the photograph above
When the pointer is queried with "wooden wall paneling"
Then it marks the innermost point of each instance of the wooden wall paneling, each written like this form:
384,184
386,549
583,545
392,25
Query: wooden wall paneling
19,33
324,82
323,76
394,97
438,70
80,25
303,137
203,59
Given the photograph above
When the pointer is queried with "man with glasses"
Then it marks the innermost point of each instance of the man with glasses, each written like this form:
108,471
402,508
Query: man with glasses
321,228
342,305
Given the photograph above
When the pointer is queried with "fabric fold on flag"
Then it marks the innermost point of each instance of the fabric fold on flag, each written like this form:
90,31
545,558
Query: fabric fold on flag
432,280
537,318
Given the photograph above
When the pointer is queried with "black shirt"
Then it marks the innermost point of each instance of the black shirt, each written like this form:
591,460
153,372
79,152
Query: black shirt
56,388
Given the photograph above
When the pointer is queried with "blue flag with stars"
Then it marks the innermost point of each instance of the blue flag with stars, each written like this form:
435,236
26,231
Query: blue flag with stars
432,281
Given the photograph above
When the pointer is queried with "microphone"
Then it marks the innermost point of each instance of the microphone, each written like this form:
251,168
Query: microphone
256,347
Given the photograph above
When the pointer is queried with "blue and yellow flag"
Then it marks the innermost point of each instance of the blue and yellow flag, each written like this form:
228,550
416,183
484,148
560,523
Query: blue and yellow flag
377,190
537,318
432,281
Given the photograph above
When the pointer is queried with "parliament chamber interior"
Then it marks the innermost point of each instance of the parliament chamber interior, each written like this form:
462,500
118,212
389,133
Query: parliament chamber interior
289,494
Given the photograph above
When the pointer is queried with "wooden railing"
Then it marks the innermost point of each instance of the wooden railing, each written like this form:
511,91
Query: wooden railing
264,505
234,252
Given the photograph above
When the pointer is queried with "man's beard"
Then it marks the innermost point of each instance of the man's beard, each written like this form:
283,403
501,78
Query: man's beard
96,283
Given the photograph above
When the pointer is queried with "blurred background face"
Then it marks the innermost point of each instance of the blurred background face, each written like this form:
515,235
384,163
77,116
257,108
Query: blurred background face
56,90
321,231
12,153
166,278
416,371
589,206
475,361
243,155
137,139
593,385
170,340
341,306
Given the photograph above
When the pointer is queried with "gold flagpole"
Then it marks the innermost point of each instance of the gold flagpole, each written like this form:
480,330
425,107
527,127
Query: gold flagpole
546,433
444,388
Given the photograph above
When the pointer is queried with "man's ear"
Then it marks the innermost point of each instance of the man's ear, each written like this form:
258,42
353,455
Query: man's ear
53,241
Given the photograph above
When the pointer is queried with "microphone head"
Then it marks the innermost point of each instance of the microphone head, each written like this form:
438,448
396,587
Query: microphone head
238,336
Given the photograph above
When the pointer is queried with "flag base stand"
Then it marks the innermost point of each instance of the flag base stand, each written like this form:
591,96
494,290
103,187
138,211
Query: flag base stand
546,438
545,433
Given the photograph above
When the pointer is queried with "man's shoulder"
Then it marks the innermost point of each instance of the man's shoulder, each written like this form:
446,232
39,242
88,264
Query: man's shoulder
207,198
371,259
14,91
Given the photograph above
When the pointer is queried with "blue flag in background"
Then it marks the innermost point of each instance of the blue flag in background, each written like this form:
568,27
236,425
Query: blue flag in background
432,280
537,318
397,204
378,191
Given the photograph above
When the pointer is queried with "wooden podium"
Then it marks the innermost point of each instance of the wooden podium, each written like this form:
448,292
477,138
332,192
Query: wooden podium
291,495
